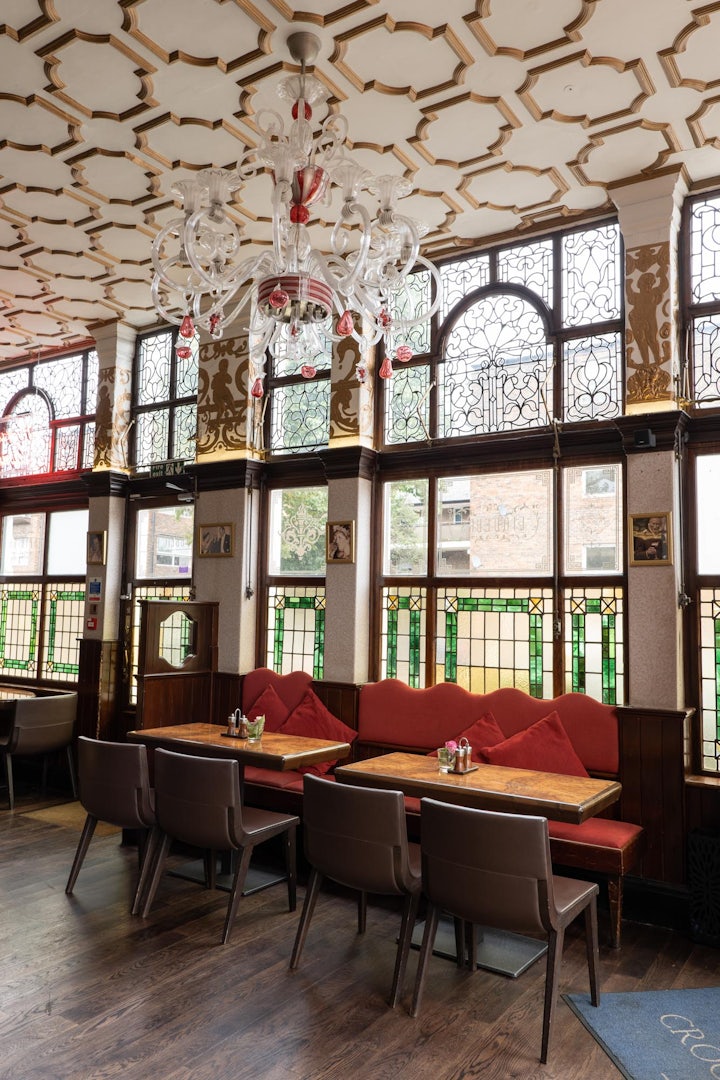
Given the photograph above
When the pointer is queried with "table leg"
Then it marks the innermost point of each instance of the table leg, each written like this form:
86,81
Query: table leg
498,950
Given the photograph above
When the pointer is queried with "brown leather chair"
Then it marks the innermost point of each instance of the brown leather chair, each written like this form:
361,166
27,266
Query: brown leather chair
114,787
494,870
198,802
40,725
358,837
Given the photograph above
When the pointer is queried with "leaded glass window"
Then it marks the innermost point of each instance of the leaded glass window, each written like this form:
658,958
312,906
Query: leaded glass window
527,333
701,377
478,590
296,629
295,598
42,594
298,409
164,400
47,416
707,480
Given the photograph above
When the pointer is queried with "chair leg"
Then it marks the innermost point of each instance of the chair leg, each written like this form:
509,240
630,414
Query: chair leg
362,912
471,944
459,928
237,888
155,873
311,895
291,866
83,844
410,907
71,768
147,864
593,952
431,925
615,903
210,867
552,977
9,781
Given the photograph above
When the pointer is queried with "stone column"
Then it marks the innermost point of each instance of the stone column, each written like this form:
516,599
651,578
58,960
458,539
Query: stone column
655,646
649,215
107,488
116,349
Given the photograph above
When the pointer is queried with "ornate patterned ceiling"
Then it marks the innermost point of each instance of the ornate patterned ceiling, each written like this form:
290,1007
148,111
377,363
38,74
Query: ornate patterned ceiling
506,114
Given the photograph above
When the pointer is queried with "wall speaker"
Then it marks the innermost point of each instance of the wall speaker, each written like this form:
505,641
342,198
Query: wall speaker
644,438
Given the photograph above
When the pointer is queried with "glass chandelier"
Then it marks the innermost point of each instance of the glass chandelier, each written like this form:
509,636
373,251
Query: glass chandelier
295,296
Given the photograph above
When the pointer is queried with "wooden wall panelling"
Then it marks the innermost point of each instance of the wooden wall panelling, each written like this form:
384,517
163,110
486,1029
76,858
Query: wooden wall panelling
652,771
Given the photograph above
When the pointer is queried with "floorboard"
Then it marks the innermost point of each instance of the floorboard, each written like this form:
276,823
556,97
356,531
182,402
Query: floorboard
90,993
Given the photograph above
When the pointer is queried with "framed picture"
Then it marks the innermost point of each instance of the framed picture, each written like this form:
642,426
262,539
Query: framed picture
340,541
96,548
650,538
215,540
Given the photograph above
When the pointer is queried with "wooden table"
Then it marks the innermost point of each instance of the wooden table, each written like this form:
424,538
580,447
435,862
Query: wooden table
489,787
273,751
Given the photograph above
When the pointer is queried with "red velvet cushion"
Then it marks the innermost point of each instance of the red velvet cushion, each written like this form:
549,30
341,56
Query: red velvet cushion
276,711
544,746
312,719
484,732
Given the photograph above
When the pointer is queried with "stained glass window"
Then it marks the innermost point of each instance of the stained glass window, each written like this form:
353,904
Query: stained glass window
295,608
47,416
42,594
527,333
298,408
164,400
446,616
296,629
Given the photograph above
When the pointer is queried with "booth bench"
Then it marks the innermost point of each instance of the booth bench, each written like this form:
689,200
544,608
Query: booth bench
569,734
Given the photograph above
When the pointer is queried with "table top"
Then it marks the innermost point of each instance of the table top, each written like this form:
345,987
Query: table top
490,787
273,751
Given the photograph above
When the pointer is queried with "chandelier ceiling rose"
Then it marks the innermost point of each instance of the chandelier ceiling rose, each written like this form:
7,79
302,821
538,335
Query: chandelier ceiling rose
296,296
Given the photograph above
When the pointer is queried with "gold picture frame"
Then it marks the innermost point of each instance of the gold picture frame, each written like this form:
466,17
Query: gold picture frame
650,539
216,540
340,542
96,548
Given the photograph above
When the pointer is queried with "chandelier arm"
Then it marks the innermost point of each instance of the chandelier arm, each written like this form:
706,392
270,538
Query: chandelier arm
339,243
175,319
199,224
176,226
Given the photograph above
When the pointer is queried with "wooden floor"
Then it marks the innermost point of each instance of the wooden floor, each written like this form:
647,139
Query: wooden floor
88,992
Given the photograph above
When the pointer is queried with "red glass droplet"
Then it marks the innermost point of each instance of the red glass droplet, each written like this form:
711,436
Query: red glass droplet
345,324
278,299
361,374
299,215
307,371
386,369
384,319
257,389
295,110
214,322
184,352
404,353
187,327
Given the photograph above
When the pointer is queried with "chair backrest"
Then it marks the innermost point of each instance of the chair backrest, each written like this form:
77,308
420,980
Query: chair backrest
356,836
115,783
197,799
42,724
486,867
